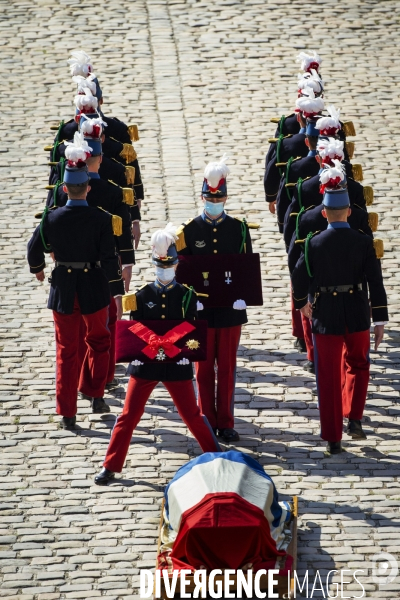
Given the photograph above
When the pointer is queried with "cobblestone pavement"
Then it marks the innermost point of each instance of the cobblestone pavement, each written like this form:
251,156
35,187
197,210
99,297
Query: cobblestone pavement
200,78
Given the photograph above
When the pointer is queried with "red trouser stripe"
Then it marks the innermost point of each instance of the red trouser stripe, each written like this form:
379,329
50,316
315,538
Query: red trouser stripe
70,376
308,337
297,324
342,370
222,345
139,390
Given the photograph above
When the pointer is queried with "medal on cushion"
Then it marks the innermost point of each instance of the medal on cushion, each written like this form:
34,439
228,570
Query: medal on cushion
161,354
205,276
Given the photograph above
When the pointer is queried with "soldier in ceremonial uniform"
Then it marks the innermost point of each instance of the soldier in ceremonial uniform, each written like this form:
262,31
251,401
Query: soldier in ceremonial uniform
330,286
162,299
312,219
211,233
86,269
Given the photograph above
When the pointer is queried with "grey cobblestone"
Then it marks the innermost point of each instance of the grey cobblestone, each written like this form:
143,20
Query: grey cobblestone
200,78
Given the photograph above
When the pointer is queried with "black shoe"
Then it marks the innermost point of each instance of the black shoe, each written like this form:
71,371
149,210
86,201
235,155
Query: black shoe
228,435
300,344
112,384
104,477
334,447
355,430
68,422
83,396
99,406
309,366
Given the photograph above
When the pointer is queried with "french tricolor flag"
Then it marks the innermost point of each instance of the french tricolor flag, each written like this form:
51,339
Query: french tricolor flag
222,512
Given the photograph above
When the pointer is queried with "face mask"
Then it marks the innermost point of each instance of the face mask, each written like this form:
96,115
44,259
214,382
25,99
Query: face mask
214,209
165,274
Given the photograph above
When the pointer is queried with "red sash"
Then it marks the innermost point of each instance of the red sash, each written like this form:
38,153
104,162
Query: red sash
165,342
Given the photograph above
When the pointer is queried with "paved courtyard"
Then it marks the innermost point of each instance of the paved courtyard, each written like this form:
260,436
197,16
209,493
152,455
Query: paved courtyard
201,78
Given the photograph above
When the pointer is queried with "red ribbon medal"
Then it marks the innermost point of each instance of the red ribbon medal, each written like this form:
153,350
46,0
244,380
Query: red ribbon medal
159,344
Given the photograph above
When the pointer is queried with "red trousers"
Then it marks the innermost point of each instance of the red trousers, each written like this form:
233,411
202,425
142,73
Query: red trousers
308,337
112,326
222,345
342,370
90,377
297,324
139,390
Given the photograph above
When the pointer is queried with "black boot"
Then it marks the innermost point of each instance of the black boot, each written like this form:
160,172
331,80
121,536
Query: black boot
334,447
99,406
300,345
83,396
68,422
309,366
104,477
228,435
355,430
112,384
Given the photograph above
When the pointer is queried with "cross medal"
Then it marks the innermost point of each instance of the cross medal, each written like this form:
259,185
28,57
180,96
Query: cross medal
228,275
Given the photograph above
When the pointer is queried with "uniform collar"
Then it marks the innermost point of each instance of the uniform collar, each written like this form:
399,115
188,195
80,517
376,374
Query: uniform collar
212,222
71,202
93,175
165,288
312,153
339,225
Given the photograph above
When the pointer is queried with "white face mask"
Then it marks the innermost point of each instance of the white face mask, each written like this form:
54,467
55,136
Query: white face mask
165,274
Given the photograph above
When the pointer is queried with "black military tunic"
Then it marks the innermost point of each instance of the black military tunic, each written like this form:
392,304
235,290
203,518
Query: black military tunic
109,197
312,220
311,196
79,234
202,236
116,150
341,257
293,146
155,301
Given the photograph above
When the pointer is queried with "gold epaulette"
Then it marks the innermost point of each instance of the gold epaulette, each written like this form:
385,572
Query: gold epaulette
275,119
283,164
130,175
180,242
379,249
133,132
129,302
368,194
54,127
128,152
52,164
49,187
293,214
116,222
373,220
348,128
357,172
350,146
302,241
39,215
290,184
48,148
127,196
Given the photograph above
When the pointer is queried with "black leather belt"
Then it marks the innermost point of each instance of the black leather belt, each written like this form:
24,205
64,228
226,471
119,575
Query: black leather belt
357,287
78,265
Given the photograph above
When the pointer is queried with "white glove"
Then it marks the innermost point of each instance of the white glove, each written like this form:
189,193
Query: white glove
239,305
200,306
183,361
136,363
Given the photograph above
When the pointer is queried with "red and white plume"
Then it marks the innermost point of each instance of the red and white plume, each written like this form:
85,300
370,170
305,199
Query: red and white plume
162,239
330,149
309,104
309,60
312,80
329,125
85,83
77,151
216,172
93,127
332,177
86,103
80,63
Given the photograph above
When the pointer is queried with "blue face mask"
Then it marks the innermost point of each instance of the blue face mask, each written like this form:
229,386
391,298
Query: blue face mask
214,208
